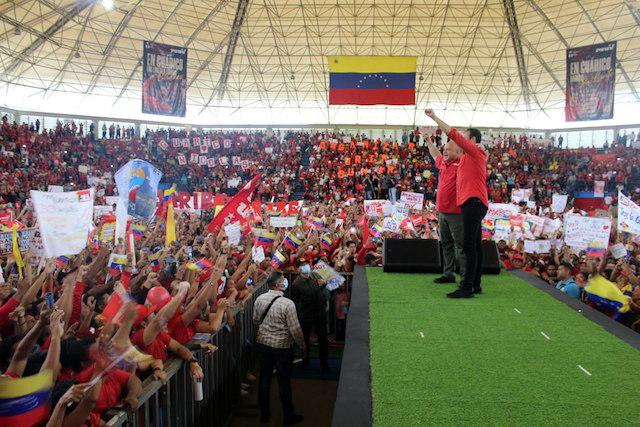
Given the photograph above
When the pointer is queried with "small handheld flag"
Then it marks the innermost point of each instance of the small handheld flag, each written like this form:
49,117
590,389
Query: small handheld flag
292,242
25,401
277,260
265,239
326,242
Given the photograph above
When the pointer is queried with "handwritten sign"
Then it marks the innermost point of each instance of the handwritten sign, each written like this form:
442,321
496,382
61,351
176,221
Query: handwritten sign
502,210
559,202
537,246
65,220
580,231
416,200
628,215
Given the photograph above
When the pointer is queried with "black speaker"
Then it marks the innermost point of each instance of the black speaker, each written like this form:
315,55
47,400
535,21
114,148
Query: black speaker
412,256
490,257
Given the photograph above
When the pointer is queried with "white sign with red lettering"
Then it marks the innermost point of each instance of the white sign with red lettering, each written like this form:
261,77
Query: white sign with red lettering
416,200
502,210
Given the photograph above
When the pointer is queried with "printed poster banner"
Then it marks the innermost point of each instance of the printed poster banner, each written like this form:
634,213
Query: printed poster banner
582,232
591,79
65,220
137,183
598,189
164,79
283,221
628,215
25,239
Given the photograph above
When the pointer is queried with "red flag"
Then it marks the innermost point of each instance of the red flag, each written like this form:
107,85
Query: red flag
238,208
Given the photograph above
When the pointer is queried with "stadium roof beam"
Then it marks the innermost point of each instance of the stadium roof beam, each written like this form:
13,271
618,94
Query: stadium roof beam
205,64
76,49
27,28
78,7
635,12
514,31
106,53
622,70
221,87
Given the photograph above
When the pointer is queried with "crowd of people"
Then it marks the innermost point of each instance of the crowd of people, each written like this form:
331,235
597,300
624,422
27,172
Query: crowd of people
58,314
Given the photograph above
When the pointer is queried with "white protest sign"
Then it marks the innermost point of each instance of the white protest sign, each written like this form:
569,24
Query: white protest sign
501,210
416,200
580,231
598,189
100,210
339,223
375,208
537,246
559,202
628,215
257,254
283,221
111,200
390,224
521,195
55,189
618,251
65,220
233,233
329,275
536,224
551,226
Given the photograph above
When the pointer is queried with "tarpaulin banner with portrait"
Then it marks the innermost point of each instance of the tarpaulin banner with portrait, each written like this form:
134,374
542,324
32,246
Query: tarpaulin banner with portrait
164,79
591,80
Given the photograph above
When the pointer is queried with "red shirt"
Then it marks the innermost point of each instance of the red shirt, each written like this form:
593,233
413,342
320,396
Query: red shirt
446,196
156,348
179,331
472,172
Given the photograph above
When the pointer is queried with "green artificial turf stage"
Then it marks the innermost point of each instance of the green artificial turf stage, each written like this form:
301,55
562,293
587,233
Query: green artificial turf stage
482,363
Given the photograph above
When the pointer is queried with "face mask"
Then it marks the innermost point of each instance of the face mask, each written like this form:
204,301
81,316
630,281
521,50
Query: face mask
285,283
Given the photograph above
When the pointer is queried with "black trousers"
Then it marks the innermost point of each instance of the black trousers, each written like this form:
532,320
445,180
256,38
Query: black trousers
282,360
473,211
319,325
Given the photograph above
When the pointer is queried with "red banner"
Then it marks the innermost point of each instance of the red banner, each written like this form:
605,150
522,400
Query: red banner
238,208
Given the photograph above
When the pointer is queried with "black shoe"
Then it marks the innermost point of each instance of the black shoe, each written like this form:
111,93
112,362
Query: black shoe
461,293
477,290
444,279
296,419
265,420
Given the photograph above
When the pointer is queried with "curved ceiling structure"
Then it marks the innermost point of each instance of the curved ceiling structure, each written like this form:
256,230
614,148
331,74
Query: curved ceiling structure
475,57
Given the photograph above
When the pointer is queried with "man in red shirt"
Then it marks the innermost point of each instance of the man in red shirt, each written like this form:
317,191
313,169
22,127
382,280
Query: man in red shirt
449,217
472,197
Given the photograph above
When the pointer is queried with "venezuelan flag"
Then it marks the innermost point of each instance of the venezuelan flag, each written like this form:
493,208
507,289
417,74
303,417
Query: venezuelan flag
606,296
315,223
154,260
266,239
138,230
326,242
203,264
117,263
292,242
277,260
25,401
376,230
62,261
372,80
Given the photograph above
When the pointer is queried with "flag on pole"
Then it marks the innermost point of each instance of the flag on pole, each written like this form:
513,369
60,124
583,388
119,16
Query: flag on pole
238,208
278,259
292,242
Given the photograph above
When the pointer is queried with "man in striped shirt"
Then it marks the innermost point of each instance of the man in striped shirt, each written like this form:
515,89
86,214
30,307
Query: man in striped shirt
277,322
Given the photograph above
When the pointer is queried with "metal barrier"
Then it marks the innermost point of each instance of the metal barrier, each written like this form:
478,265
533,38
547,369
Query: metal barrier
172,404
